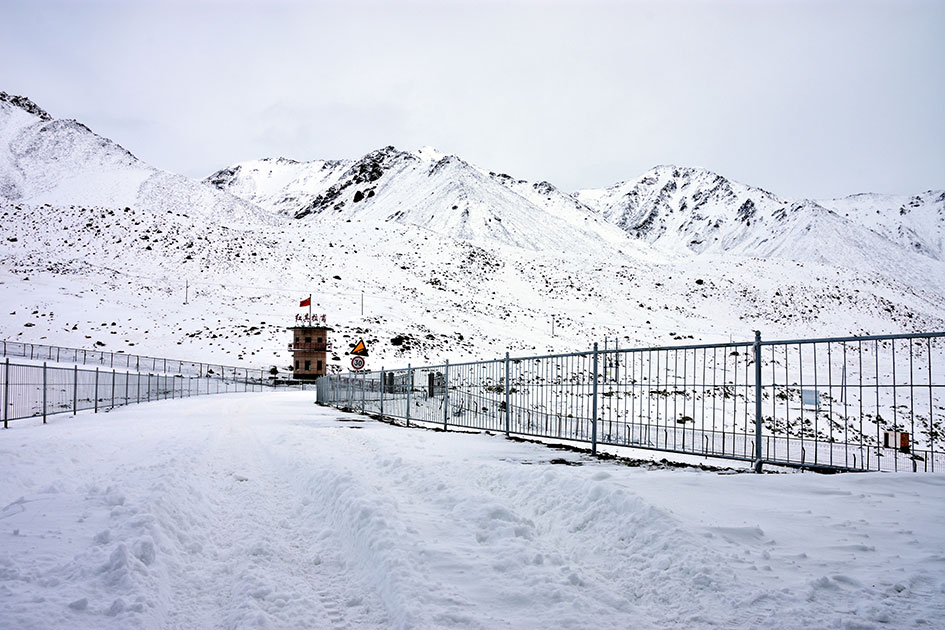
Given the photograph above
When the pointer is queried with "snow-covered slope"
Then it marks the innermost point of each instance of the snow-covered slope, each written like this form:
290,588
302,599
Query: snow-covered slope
62,162
281,185
916,222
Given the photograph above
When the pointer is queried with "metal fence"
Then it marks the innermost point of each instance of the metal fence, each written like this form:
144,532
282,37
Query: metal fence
853,403
122,361
29,391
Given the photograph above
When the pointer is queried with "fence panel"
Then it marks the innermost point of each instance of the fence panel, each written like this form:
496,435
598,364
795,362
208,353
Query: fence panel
477,395
858,403
855,403
28,391
121,360
687,399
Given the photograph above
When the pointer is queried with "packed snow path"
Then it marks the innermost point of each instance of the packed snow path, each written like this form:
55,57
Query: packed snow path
265,510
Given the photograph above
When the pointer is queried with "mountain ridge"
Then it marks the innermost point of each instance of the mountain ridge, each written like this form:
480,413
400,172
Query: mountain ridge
63,162
99,248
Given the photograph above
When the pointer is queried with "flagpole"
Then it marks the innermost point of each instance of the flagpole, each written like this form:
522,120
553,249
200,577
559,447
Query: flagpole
310,308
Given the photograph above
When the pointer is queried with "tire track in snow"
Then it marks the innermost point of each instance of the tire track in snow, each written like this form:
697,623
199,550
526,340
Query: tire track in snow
270,564
546,549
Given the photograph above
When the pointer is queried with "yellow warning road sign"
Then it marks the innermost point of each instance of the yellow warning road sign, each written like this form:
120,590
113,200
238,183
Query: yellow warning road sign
360,349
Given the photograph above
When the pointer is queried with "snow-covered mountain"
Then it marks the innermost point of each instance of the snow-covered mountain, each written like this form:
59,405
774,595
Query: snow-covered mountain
680,210
62,163
425,188
98,248
695,209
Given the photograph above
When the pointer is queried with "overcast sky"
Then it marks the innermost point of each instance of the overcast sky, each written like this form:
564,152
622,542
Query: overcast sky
805,99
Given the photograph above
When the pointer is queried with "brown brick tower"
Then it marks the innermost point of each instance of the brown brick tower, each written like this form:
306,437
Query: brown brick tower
309,348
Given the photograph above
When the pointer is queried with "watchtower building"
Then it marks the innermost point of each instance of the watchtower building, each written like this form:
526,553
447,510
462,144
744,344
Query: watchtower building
309,347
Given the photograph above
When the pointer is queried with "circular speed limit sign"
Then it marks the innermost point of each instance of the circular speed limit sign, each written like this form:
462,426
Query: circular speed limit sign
357,363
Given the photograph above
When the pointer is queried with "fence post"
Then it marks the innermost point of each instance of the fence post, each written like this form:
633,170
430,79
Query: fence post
95,403
113,389
409,387
127,378
508,413
31,352
6,392
446,394
617,359
149,387
75,389
383,387
85,355
594,409
44,392
758,458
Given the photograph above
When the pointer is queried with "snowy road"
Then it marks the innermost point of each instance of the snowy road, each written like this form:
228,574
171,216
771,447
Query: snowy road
264,510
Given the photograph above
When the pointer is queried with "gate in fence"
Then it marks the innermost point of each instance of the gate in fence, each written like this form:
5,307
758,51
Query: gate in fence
851,403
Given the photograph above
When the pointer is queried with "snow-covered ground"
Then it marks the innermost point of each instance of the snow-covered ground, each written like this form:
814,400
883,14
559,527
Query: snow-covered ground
265,510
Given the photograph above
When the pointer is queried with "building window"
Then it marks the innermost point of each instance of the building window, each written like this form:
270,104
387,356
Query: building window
319,340
296,339
319,366
308,340
308,366
296,365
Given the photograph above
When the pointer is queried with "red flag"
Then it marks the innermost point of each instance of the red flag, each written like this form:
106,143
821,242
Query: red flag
306,302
